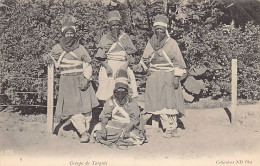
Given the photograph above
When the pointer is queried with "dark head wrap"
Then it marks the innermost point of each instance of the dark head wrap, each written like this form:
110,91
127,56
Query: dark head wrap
69,43
160,20
121,93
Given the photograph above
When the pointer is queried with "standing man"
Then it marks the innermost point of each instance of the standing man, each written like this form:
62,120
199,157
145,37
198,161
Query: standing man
163,94
114,50
76,94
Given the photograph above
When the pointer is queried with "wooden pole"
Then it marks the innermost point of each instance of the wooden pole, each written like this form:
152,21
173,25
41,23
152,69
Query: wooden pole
165,5
50,99
234,92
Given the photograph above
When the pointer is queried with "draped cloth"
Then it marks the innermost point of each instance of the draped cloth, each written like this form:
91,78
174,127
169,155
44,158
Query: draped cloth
69,43
115,51
160,94
119,118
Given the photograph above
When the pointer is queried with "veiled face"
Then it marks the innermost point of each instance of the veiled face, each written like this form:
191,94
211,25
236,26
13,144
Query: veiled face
69,33
115,28
120,93
160,32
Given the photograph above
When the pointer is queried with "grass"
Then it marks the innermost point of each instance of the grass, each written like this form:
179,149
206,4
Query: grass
206,103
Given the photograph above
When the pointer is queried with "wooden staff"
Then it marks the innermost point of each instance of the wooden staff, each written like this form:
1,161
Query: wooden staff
50,98
234,92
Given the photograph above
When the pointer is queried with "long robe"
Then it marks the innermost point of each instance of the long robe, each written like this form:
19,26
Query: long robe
72,100
164,60
115,51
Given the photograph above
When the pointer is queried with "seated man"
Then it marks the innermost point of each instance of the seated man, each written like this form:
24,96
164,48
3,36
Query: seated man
120,117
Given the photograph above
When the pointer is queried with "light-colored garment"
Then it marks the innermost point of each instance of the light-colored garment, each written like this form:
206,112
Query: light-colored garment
115,52
107,84
81,122
74,68
169,121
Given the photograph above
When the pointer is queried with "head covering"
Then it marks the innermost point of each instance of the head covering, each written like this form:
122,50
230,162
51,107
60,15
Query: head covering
121,80
161,20
114,16
69,43
68,22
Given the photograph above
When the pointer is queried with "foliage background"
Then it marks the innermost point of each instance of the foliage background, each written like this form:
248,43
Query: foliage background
203,29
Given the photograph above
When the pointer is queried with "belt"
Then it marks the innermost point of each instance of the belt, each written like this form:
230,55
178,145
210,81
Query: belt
72,74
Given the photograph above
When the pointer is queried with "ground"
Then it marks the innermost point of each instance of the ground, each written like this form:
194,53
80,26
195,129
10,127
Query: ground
208,139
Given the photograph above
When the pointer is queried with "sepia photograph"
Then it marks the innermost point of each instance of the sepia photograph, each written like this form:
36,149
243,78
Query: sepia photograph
130,82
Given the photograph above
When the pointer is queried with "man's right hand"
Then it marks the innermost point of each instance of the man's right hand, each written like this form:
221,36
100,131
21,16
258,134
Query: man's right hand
109,71
176,82
137,68
84,84
46,58
103,133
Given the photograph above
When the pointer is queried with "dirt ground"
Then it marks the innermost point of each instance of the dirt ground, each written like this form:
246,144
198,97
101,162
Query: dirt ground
208,139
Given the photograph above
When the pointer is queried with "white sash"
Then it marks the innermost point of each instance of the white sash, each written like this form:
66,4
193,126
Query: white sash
118,54
177,71
125,119
57,64
161,66
72,71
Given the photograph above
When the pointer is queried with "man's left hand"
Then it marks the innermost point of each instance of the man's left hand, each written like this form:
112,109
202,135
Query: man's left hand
83,85
175,83
126,134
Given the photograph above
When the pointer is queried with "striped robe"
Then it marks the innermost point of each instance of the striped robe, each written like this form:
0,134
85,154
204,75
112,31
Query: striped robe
74,67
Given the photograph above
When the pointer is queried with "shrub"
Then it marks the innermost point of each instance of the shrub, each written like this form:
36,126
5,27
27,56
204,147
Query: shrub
30,28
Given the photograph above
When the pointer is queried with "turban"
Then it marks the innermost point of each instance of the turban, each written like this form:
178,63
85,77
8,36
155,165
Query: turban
161,20
114,16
